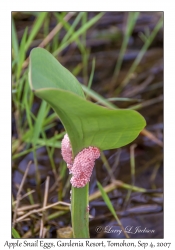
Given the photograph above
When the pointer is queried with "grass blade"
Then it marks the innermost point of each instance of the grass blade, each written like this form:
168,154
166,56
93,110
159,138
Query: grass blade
92,73
78,33
110,206
21,53
15,234
142,52
97,97
132,18
39,122
37,25
72,27
14,40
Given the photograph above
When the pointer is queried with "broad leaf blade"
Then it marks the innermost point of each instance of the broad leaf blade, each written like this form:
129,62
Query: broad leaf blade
86,123
46,72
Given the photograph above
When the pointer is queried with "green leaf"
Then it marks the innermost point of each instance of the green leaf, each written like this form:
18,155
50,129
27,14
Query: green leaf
86,123
15,45
110,206
39,122
15,234
79,32
46,72
36,27
107,201
21,53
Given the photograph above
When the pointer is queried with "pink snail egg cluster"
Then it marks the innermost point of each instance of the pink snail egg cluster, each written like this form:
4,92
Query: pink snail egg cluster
66,151
83,164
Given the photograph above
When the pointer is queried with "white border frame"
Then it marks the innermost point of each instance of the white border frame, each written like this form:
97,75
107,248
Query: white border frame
5,97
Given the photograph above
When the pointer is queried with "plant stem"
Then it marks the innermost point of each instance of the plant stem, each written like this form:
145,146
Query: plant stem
80,212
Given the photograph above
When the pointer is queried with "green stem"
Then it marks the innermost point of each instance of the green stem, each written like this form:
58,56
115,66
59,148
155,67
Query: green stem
80,212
